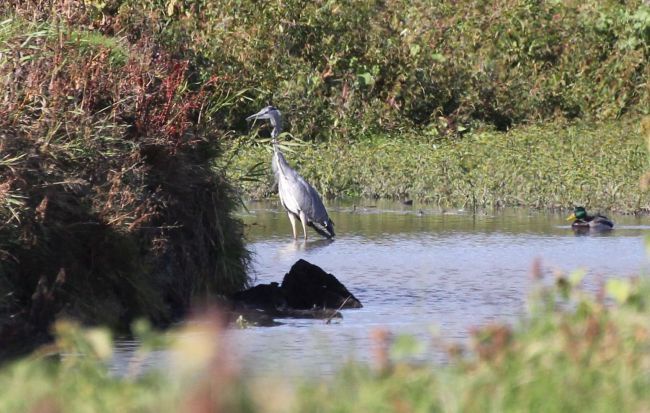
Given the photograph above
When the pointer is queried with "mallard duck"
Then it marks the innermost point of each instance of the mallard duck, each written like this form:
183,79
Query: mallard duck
581,220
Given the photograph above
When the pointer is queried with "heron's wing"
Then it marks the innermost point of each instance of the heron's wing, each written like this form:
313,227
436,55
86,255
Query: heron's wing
313,204
297,194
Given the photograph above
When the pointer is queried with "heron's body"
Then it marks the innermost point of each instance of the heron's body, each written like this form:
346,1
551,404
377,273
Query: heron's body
582,221
298,197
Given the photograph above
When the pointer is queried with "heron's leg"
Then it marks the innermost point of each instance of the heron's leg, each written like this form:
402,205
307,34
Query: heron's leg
303,221
292,218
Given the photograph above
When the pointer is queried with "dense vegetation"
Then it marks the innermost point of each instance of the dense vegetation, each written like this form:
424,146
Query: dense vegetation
340,68
110,204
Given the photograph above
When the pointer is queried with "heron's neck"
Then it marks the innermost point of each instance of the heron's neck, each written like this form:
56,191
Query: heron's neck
279,163
277,129
274,136
276,149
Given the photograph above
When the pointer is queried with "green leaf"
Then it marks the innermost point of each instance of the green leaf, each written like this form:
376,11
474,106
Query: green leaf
366,79
620,290
100,341
437,57
577,276
405,346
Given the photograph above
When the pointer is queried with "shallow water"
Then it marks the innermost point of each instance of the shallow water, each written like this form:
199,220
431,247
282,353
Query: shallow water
431,273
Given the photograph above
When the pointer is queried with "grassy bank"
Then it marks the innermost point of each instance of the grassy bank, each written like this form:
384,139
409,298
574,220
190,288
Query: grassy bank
545,166
110,205
573,352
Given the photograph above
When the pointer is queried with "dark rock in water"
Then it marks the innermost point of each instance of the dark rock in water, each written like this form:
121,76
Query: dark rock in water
308,286
306,292
263,296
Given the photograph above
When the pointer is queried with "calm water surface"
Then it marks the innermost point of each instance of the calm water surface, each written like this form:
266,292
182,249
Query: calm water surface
417,270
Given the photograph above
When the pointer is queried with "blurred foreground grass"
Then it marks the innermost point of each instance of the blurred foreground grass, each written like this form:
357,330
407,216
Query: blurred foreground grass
574,351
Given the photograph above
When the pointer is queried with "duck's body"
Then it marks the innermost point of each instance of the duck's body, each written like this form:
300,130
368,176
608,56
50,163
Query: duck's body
581,221
598,222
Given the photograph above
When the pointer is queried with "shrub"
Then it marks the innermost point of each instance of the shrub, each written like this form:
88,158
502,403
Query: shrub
110,203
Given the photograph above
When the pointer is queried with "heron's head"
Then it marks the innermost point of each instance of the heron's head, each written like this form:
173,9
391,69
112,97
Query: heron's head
578,213
273,115
325,228
329,227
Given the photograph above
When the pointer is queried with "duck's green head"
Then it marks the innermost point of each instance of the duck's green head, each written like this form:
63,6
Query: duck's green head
578,213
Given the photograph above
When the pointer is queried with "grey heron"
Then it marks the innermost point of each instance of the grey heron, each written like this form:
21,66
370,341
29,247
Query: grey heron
297,196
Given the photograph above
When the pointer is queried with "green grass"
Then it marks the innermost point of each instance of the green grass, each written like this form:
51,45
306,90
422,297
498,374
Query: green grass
543,166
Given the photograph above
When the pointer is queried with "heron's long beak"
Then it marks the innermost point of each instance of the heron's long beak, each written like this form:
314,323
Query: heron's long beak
571,217
262,114
326,229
